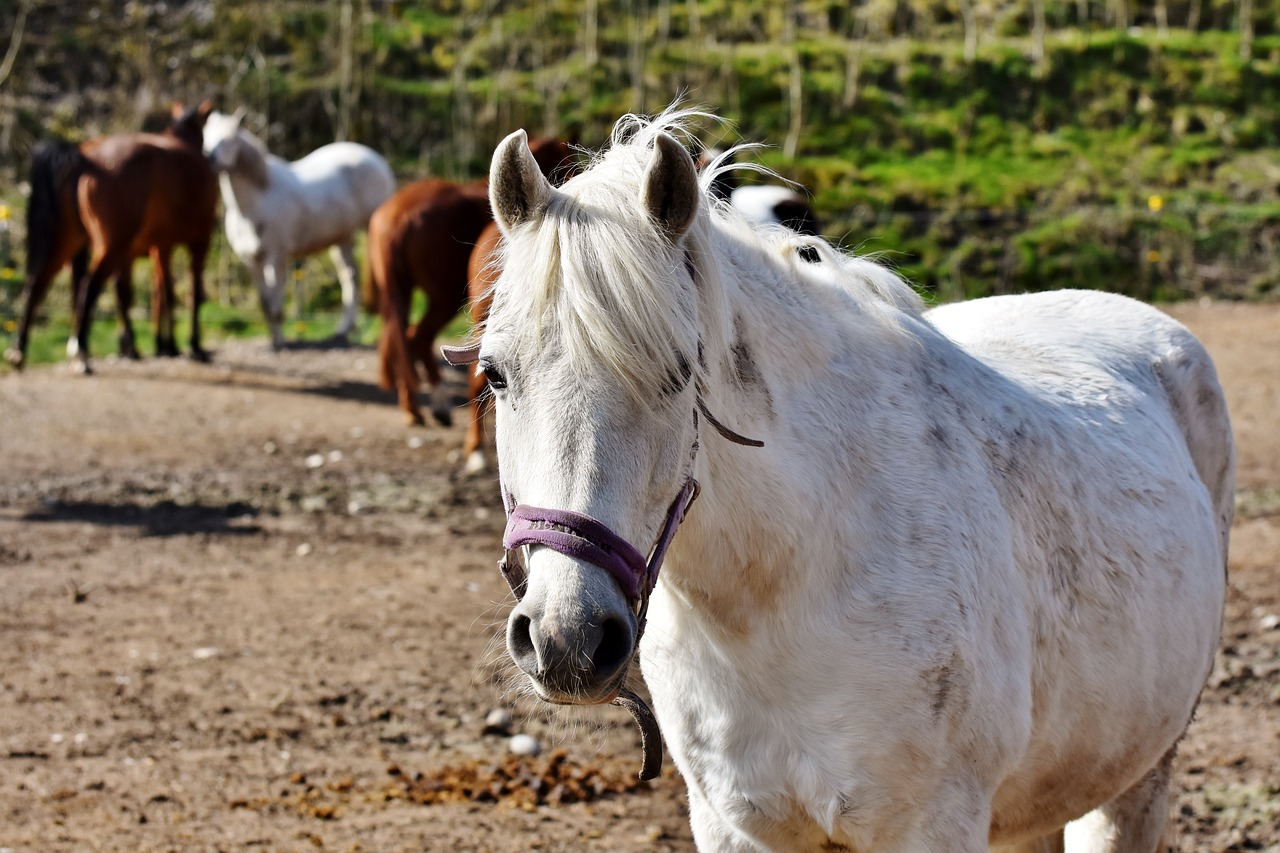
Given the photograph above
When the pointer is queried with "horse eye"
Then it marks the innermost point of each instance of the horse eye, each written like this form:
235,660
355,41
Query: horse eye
491,372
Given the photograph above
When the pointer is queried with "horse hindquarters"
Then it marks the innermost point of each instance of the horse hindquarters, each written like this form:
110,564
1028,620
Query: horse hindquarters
55,234
393,288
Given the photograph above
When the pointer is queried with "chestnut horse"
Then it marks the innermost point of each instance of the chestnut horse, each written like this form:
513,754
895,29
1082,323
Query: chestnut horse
482,272
100,205
421,238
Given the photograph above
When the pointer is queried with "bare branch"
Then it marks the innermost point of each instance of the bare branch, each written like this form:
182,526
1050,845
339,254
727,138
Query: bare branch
15,41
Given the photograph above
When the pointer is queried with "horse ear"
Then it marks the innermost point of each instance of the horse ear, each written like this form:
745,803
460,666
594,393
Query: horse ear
671,191
206,107
518,191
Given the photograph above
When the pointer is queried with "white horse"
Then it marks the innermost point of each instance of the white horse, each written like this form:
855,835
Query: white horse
967,591
759,204
276,210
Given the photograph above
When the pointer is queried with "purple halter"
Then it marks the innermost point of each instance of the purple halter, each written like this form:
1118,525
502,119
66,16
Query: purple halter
584,538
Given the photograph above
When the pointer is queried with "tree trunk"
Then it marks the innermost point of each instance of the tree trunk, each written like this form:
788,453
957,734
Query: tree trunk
853,63
591,32
795,84
1037,34
970,18
1246,29
346,49
636,58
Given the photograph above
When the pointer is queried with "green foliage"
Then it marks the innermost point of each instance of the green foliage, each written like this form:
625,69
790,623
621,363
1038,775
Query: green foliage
974,174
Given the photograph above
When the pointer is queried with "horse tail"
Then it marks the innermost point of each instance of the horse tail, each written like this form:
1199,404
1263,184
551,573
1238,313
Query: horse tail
392,288
369,299
54,164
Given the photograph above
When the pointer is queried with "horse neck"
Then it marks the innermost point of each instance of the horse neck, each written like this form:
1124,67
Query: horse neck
770,349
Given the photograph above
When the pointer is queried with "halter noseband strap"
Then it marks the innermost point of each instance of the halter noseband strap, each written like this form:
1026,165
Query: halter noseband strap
585,538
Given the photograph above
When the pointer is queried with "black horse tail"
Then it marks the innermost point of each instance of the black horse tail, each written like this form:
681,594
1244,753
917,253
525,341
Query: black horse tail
54,164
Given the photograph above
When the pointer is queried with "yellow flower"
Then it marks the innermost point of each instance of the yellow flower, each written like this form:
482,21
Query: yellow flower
1155,204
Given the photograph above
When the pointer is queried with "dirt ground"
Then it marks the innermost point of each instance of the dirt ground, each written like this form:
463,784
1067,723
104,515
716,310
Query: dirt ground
244,607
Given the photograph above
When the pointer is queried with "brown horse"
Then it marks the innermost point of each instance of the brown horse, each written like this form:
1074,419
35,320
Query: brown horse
421,237
100,205
482,272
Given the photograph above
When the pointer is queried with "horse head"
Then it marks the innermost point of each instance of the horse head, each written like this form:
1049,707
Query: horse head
231,148
187,124
591,351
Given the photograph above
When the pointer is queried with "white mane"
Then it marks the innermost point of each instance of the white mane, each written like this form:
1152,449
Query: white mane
601,272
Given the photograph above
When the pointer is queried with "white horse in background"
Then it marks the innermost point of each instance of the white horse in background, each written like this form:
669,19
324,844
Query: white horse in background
277,210
967,591
759,204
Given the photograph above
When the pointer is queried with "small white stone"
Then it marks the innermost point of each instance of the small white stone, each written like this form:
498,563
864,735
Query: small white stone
304,549
524,745
335,455
315,460
354,507
357,432
270,448
57,737
205,652
498,722
416,441
1270,622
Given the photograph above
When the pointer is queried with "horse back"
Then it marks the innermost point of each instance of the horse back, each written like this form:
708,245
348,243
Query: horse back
151,189
426,230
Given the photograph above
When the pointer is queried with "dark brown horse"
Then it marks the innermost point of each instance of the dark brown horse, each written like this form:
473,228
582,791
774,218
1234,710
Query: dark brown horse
100,205
421,238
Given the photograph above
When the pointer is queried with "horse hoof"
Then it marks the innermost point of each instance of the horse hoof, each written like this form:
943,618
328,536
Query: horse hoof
339,339
81,367
14,356
198,354
443,417
476,463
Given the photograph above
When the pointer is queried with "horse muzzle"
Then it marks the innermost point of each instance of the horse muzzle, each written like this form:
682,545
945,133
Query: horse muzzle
575,645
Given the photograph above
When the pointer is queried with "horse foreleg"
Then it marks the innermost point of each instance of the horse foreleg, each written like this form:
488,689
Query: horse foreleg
473,446
270,278
1133,822
421,341
125,341
198,253
344,260
162,302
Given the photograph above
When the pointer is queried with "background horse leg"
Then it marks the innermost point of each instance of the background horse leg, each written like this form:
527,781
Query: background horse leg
162,302
87,293
1133,822
473,446
344,261
126,344
440,310
35,289
198,252
270,276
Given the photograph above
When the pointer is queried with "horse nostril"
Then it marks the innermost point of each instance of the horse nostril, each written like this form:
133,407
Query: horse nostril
614,649
520,643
